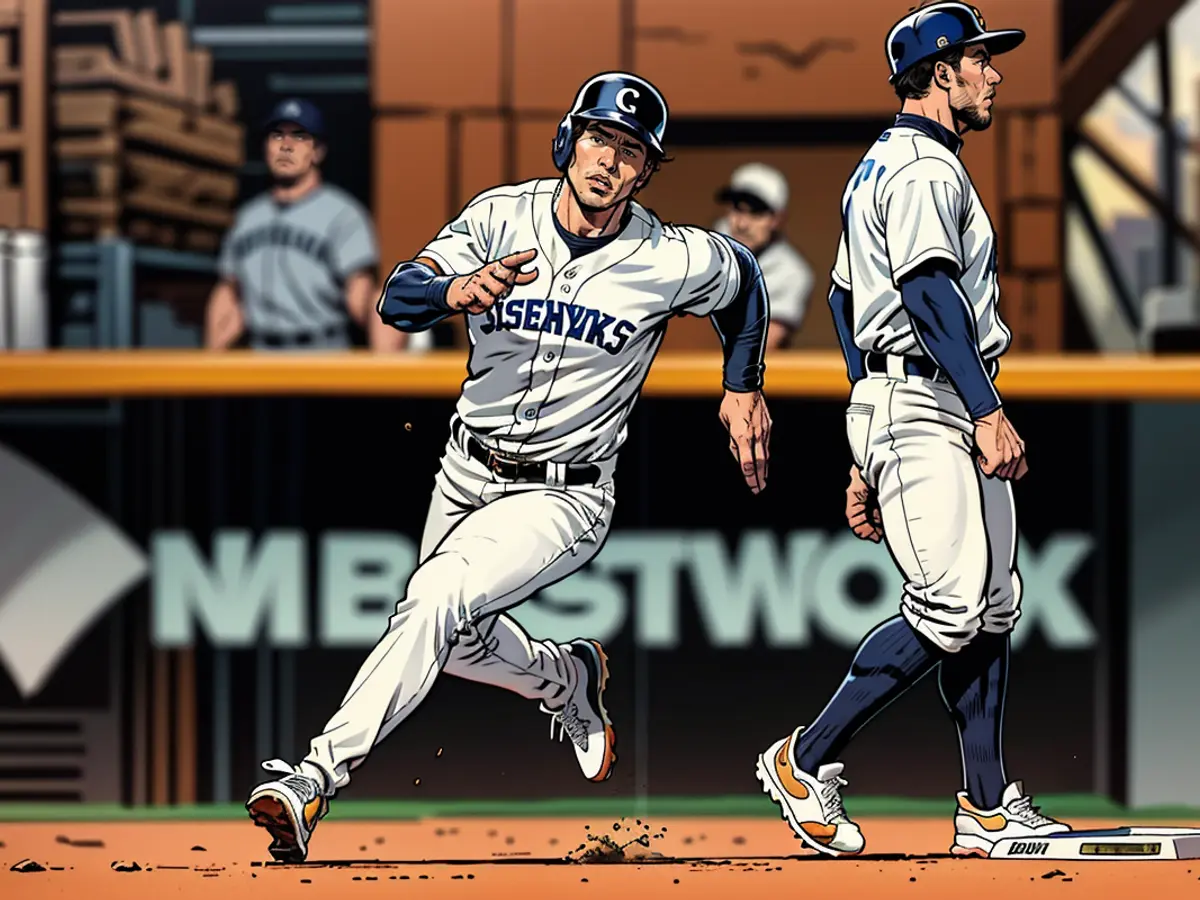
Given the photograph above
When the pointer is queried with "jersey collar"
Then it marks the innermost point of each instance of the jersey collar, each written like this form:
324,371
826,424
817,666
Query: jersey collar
931,128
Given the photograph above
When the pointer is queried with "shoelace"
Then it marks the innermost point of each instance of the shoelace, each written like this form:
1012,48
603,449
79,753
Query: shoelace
304,786
571,724
1022,808
831,799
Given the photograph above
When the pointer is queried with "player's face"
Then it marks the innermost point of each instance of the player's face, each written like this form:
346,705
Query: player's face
291,152
752,227
974,87
607,166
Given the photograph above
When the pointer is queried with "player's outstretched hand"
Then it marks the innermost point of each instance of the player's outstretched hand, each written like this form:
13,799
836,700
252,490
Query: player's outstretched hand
745,417
862,508
1001,450
475,293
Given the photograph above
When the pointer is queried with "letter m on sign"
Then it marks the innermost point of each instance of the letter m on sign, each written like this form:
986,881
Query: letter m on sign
233,598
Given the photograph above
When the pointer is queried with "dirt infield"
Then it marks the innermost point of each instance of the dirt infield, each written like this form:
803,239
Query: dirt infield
503,858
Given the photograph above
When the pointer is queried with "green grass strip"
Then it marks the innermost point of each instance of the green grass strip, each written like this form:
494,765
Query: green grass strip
1064,806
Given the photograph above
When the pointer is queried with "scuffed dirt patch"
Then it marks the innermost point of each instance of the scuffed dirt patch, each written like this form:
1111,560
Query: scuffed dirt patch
629,841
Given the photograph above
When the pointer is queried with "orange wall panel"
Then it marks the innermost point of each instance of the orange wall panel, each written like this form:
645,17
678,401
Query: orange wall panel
1034,148
1035,238
554,54
535,134
481,153
445,54
782,57
409,210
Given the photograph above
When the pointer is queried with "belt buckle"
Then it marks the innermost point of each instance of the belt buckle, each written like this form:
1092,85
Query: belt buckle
496,463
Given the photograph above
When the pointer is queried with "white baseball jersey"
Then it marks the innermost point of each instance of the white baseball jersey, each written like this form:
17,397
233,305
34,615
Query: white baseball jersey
787,275
910,201
556,367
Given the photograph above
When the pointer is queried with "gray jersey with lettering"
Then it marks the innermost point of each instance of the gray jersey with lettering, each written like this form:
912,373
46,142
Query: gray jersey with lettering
291,262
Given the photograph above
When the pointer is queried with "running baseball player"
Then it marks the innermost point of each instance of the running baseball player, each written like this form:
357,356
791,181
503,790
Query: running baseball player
298,266
568,285
756,201
914,299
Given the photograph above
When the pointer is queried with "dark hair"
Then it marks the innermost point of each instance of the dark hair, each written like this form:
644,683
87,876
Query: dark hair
654,161
917,81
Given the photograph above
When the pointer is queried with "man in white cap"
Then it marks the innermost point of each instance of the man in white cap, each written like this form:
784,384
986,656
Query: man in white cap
756,200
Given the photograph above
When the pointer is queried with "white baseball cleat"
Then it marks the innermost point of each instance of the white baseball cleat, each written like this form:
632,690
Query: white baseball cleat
976,831
810,804
583,717
289,808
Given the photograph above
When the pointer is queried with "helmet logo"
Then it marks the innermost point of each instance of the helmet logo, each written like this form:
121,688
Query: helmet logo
943,41
626,105
292,109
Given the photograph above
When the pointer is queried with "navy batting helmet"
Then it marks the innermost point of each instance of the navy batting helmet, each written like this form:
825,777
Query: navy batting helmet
626,100
932,29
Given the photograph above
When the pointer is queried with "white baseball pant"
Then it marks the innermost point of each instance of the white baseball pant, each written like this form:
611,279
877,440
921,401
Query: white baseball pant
951,529
488,545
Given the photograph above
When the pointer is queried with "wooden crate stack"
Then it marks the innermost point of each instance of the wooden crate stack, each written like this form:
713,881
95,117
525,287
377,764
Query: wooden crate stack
146,146
23,185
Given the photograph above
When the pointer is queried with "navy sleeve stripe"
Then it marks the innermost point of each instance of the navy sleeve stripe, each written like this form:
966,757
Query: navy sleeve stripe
742,326
945,327
843,321
414,298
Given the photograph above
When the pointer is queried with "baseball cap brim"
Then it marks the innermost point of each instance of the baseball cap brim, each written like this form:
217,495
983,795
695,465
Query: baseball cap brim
734,196
628,123
996,42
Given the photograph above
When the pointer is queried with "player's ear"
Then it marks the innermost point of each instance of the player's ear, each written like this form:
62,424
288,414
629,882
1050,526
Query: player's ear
319,152
942,75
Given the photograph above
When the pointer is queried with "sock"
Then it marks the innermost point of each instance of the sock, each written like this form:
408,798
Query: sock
889,661
973,683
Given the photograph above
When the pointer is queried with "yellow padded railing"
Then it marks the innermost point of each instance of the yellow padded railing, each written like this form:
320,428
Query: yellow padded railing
144,373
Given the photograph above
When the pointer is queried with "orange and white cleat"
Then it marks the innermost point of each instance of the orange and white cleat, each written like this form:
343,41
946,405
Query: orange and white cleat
810,804
976,830
582,717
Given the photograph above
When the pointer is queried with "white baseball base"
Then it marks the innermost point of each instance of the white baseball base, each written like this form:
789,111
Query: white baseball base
1128,843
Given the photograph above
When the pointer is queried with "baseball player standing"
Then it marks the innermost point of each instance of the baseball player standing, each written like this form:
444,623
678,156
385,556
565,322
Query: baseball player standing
299,264
568,285
914,299
756,199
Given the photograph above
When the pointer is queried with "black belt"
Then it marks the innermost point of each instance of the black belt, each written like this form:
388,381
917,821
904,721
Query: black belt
517,470
920,366
297,338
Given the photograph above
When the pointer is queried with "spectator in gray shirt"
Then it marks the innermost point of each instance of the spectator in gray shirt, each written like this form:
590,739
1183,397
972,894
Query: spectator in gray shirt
298,268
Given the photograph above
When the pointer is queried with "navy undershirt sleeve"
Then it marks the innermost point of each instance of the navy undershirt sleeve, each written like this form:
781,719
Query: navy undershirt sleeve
414,298
742,326
839,305
945,327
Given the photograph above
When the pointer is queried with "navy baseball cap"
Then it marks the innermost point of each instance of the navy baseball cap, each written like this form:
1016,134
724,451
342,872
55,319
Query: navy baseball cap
928,31
298,112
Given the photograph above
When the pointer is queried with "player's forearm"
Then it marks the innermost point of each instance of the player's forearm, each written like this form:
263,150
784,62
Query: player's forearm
414,298
223,318
742,327
840,306
945,326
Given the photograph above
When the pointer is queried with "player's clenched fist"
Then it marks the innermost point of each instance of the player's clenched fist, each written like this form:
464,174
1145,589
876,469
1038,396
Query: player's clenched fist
1001,450
862,508
476,292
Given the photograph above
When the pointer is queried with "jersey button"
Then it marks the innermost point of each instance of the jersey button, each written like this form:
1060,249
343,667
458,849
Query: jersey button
571,273
566,289
530,413
549,357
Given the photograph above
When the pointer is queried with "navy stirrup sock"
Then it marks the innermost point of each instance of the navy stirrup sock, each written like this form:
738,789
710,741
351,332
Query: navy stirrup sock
974,682
889,661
